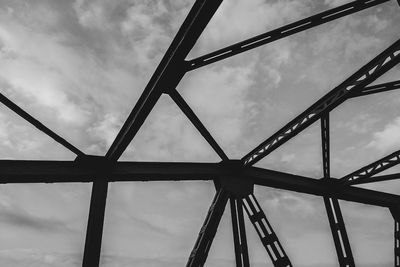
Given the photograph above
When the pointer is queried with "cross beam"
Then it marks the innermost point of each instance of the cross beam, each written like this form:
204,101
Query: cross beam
12,171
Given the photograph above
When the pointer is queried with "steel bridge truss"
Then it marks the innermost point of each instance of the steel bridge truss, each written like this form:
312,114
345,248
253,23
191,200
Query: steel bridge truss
234,179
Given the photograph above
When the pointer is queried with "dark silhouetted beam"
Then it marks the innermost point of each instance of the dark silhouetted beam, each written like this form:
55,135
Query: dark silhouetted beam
12,171
264,230
325,145
339,233
69,171
181,103
355,83
326,187
168,73
94,231
239,233
366,173
11,105
379,88
396,216
335,218
282,32
379,178
207,233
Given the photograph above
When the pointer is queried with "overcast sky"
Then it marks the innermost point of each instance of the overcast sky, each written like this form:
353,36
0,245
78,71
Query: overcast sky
80,66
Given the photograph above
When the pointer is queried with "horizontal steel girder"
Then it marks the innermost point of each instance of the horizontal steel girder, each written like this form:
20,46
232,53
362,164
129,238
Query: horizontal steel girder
69,171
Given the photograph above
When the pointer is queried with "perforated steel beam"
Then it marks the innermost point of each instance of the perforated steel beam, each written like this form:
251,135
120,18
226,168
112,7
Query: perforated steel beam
395,211
208,230
355,83
335,218
264,230
282,32
338,229
239,233
366,173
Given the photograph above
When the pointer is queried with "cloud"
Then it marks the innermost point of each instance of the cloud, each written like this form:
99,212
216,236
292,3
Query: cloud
12,216
388,139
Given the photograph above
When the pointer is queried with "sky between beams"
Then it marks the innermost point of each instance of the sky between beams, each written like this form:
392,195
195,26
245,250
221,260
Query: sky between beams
79,67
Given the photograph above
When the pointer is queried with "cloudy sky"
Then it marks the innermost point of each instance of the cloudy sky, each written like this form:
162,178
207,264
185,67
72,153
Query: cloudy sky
79,67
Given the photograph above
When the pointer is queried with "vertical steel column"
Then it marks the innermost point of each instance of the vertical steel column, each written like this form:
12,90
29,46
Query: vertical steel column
336,222
396,216
208,230
239,233
396,243
264,230
94,232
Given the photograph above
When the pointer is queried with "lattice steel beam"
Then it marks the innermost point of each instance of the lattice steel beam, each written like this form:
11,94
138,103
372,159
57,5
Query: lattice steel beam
181,103
239,233
379,88
379,178
41,127
208,230
282,32
264,230
366,173
168,73
355,83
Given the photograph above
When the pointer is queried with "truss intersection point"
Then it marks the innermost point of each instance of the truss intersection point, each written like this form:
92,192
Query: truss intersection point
234,179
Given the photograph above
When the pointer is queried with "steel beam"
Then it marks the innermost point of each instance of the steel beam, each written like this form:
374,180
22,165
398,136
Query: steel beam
12,171
207,233
325,146
325,187
355,83
94,231
395,211
239,233
366,173
41,127
336,222
264,230
181,103
282,32
379,88
168,73
379,178
335,218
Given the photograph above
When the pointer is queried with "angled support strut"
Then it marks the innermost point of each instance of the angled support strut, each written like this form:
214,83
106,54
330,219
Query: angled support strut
239,233
264,230
208,230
